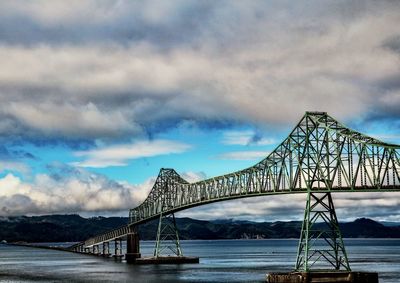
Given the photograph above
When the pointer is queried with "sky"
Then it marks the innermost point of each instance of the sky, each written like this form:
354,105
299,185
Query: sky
97,96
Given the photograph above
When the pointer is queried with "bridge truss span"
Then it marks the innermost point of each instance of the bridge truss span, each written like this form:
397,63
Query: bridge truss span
319,155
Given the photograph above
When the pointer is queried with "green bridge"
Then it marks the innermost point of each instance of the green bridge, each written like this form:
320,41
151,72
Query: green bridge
319,157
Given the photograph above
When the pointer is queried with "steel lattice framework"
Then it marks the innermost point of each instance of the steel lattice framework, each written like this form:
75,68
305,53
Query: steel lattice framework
319,155
321,244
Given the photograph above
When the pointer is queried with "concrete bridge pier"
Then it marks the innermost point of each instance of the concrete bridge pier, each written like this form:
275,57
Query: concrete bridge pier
96,249
106,249
118,248
78,249
132,247
323,276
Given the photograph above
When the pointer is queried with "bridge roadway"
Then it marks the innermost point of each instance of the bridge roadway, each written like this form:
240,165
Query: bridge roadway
319,155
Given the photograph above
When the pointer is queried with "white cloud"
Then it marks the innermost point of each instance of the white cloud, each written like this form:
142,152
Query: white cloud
70,120
136,65
75,190
14,166
349,206
243,155
119,155
245,138
56,12
81,192
192,177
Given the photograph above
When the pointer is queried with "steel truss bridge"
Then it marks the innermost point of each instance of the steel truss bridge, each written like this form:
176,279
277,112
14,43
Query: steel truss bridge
319,157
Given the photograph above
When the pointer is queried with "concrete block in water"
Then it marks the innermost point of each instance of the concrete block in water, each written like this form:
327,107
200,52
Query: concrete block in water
167,260
323,277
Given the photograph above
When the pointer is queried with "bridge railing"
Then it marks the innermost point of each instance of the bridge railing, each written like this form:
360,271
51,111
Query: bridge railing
106,237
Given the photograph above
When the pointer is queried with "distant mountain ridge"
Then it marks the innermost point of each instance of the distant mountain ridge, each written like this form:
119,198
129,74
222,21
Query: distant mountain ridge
72,228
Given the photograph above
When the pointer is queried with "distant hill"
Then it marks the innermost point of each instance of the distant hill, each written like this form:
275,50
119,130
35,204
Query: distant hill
72,228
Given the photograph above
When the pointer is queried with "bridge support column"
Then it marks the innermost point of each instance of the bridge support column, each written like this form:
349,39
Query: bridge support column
167,237
321,244
96,249
106,249
132,246
118,248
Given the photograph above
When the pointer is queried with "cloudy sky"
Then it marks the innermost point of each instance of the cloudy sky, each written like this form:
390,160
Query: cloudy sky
97,96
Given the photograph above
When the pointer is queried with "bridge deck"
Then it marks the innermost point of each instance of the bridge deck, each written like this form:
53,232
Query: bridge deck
106,237
129,228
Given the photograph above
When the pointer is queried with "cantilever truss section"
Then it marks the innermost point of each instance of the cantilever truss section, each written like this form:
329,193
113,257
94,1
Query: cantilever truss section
319,155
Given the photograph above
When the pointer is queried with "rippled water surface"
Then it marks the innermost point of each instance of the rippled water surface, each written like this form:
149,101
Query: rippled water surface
220,261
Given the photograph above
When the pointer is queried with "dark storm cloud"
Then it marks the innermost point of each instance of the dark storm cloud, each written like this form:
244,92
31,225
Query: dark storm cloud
78,71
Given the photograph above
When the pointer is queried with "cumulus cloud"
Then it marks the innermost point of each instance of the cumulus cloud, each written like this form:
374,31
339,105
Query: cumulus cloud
13,160
118,155
71,121
192,177
135,65
349,206
116,71
245,138
243,155
67,189
14,166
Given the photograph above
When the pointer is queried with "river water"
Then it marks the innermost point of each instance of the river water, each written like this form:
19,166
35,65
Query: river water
220,261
